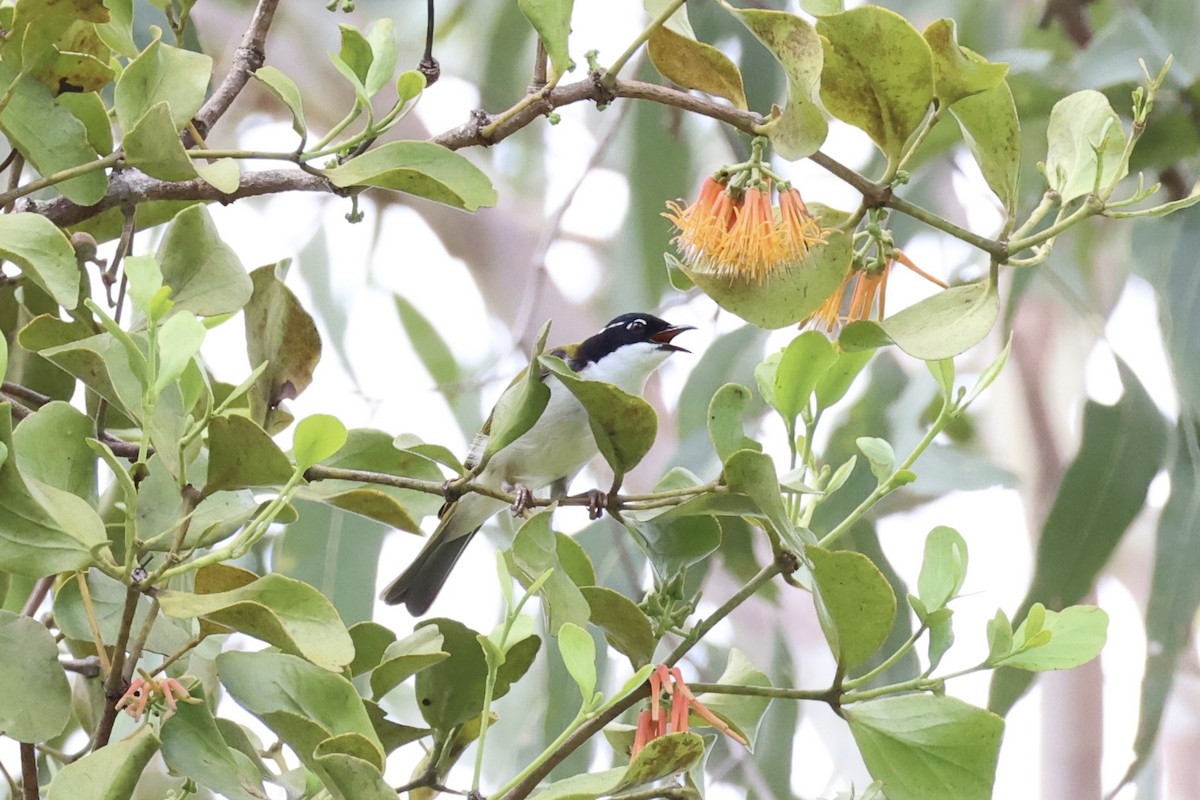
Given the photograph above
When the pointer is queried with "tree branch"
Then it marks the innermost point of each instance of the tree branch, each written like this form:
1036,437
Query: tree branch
250,55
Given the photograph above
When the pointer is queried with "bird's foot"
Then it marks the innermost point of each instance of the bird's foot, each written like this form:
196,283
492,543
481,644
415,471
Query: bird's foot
597,501
523,501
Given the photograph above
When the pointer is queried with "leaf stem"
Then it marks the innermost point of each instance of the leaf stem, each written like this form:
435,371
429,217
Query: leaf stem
611,73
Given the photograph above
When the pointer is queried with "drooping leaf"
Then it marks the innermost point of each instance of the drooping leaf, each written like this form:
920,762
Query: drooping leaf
623,425
49,136
753,474
726,411
534,551
406,657
928,747
192,745
946,324
110,773
205,274
800,128
242,454
957,71
37,706
43,252
802,365
552,21
855,603
286,90
162,73
680,58
578,653
944,568
878,74
787,295
280,332
625,626
279,610
418,168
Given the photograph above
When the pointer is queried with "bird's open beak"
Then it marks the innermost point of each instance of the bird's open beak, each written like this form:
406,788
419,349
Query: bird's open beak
663,338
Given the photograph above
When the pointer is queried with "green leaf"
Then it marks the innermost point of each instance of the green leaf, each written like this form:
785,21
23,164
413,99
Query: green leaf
179,341
279,610
1000,636
404,658
153,146
301,702
786,296
879,455
855,603
436,356
376,451
623,425
192,745
1121,450
50,137
878,74
726,412
957,71
800,128
88,108
280,332
287,92
520,406
43,252
451,691
803,363
349,776
753,474
317,437
108,605
1077,635
1085,145
355,52
944,568
928,747
43,530
241,454
681,59
578,653
371,641
205,274
836,381
110,773
37,705
382,39
949,323
534,551
552,21
626,627
423,169
162,73
674,543
51,447
661,758
742,712
992,132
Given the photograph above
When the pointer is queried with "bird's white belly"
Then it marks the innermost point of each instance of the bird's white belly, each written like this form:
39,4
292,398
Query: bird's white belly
558,445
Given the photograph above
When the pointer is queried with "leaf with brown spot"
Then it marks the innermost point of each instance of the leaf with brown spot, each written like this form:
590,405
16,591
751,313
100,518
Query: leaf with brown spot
280,332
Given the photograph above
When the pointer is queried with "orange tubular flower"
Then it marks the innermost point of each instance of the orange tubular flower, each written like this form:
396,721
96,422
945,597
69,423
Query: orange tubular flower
743,236
655,721
858,294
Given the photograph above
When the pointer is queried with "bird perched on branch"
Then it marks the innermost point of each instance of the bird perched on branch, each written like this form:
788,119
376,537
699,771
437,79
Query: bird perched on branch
624,353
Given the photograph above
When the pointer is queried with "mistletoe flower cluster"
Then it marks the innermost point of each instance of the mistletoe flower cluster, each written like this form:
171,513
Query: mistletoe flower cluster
863,289
672,716
734,230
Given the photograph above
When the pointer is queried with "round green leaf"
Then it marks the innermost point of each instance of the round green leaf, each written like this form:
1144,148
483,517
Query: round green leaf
423,169
803,363
44,254
110,773
928,747
317,438
726,412
241,454
37,704
626,627
946,324
192,745
855,603
162,73
742,712
404,658
786,296
578,653
279,610
1086,144
1077,635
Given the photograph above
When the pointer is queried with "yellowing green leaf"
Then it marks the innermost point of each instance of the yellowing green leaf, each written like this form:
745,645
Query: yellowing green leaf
696,65
957,71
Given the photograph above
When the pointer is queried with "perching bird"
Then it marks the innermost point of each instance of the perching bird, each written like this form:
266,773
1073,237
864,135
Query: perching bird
557,447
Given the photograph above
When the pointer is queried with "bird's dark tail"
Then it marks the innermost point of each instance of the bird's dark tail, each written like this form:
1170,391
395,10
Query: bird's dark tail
418,586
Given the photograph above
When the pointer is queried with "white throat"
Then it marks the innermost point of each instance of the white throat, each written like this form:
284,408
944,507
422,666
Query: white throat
628,367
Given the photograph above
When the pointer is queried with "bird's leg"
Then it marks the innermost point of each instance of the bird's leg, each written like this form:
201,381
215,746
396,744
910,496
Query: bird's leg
523,501
597,501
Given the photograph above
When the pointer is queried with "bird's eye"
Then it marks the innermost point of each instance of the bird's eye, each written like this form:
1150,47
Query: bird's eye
637,323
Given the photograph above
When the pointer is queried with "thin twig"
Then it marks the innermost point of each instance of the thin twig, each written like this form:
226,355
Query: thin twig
114,687
29,772
250,55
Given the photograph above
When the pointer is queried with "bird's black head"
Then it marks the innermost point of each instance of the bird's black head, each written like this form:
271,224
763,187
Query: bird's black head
627,329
